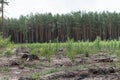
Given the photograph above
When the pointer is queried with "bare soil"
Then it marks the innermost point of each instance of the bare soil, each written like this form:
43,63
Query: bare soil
100,66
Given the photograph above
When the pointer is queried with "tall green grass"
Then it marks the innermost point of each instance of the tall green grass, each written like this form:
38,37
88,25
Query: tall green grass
6,45
69,47
72,48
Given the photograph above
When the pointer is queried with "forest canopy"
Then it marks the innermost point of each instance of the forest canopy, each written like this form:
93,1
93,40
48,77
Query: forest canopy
79,25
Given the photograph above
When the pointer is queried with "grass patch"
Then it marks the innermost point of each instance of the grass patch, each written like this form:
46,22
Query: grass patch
72,48
4,69
35,76
6,46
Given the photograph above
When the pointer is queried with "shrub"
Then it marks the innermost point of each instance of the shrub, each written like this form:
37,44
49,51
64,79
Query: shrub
4,42
97,43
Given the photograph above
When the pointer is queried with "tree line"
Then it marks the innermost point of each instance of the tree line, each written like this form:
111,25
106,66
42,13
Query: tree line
79,25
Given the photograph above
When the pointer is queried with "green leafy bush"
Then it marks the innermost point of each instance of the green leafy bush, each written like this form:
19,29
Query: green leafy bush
4,42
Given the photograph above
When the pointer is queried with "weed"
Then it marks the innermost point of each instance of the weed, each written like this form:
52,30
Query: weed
35,76
72,48
97,43
4,69
35,51
4,78
71,54
4,42
7,52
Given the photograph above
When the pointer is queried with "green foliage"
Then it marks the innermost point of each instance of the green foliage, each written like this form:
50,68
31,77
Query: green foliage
78,25
69,44
6,46
48,52
34,51
56,47
4,42
117,52
97,43
41,50
7,52
4,69
35,76
72,48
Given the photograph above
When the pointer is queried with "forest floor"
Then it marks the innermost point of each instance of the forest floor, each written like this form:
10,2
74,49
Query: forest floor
20,66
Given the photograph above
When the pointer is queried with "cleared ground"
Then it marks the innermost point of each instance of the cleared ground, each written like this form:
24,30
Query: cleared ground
99,66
